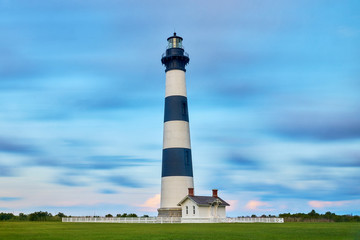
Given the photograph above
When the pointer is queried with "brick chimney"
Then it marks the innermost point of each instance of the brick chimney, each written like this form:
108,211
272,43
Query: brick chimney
191,191
215,193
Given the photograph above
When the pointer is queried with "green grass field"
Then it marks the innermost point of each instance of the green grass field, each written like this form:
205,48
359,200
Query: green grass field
218,231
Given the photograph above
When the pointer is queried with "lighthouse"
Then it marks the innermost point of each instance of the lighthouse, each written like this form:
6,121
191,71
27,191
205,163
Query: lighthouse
177,173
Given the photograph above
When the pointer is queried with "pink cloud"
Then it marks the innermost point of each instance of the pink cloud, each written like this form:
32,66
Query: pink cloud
322,204
254,204
151,204
233,205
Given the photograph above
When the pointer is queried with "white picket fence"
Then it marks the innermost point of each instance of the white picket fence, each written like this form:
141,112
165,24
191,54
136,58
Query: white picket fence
124,219
171,220
232,220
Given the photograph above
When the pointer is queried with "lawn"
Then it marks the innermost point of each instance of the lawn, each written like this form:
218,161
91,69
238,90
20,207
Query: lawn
218,231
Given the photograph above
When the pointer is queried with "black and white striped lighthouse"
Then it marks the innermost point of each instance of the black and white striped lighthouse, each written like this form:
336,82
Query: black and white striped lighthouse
177,173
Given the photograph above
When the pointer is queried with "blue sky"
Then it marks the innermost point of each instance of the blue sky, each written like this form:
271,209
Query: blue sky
273,90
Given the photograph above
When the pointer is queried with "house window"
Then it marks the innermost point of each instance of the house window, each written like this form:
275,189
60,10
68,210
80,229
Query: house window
187,210
193,209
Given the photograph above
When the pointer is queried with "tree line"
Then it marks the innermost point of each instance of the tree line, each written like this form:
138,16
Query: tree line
35,216
125,215
313,216
46,216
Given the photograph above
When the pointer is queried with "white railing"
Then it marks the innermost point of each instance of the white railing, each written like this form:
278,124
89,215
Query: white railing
252,220
232,220
171,220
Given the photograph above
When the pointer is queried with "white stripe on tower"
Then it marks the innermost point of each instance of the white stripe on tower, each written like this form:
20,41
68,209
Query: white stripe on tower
175,84
177,174
176,135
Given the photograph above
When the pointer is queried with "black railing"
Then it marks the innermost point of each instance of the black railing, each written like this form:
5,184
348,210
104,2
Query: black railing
185,54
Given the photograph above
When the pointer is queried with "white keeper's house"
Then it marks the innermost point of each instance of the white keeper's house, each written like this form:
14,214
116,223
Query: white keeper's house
201,207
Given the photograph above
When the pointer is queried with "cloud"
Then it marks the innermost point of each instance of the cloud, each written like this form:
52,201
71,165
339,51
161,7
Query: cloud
255,205
83,171
68,106
317,126
116,161
273,189
6,171
328,204
151,204
316,184
347,160
13,71
124,182
101,102
69,181
10,199
107,191
243,162
232,93
233,205
17,147
98,162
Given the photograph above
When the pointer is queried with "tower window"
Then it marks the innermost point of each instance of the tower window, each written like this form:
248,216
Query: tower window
187,210
187,158
193,209
184,108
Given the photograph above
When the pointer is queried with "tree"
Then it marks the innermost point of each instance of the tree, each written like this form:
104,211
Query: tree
60,215
126,215
284,215
108,215
40,216
313,214
23,217
6,216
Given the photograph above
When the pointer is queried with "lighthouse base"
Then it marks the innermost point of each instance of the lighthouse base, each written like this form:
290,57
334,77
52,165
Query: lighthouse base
169,212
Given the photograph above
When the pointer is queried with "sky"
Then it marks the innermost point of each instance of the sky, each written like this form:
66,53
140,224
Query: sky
274,105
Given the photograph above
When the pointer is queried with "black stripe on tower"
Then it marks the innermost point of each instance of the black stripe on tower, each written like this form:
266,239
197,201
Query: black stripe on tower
176,108
177,162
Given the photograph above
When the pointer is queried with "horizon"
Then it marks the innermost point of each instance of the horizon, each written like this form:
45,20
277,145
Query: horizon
273,95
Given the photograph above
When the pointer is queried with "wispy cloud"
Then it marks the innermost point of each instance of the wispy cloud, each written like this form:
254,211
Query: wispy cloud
233,205
107,191
330,204
17,147
347,160
256,205
70,182
92,162
10,199
316,126
124,182
151,204
322,204
6,171
243,162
